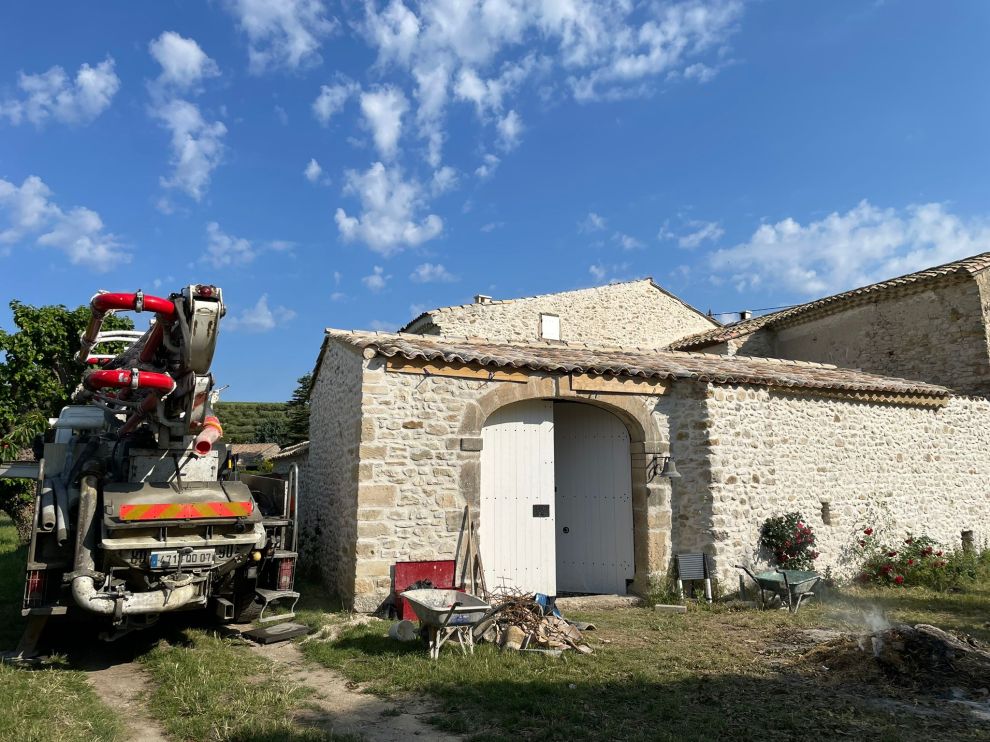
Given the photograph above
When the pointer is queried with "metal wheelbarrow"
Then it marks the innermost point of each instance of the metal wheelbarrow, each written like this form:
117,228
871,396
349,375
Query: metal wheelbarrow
791,585
447,614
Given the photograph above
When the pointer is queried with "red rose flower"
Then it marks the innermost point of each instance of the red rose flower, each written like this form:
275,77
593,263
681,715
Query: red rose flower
909,540
891,554
910,562
938,553
868,531
887,568
899,579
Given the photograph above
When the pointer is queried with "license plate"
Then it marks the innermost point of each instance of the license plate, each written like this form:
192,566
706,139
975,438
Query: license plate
170,559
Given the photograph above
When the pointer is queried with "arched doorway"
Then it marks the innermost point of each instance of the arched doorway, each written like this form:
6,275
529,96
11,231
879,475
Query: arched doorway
556,498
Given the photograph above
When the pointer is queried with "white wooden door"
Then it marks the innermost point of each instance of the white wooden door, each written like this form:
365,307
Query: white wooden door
594,525
517,499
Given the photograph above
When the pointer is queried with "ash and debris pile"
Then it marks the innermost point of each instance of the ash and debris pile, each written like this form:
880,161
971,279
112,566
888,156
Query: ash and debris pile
922,657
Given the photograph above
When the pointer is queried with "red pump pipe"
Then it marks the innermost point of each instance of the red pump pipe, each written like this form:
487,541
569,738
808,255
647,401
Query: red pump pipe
123,379
138,302
103,303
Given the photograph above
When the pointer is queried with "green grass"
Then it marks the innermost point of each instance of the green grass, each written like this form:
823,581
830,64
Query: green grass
708,674
967,611
50,704
211,689
13,557
45,704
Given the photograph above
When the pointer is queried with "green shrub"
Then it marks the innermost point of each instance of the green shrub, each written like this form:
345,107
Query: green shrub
789,540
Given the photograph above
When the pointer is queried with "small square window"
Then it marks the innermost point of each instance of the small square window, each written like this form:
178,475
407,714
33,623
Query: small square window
550,327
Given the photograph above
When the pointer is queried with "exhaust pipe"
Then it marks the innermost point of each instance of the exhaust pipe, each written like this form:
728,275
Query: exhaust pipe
84,590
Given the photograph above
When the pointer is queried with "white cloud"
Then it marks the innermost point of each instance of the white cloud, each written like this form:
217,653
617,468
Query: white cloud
488,166
605,48
28,213
332,98
842,251
338,296
197,146
444,179
592,223
184,64
389,206
377,280
510,129
260,318
313,170
602,273
282,33
53,95
700,72
226,250
703,232
432,273
491,226
626,242
383,110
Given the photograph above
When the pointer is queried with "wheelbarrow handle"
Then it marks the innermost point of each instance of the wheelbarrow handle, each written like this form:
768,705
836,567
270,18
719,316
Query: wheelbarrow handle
450,613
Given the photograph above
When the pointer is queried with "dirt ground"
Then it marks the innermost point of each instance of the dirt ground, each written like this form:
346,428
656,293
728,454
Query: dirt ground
340,707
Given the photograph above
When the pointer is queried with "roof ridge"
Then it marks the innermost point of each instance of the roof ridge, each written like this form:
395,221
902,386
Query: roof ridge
653,283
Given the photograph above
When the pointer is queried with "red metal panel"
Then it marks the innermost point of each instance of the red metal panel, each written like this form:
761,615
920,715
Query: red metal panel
440,574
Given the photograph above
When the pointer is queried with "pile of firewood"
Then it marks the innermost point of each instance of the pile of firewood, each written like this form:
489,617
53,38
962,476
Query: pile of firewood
517,622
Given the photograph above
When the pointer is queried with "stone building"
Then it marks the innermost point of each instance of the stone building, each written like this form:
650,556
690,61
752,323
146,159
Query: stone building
930,325
637,314
557,444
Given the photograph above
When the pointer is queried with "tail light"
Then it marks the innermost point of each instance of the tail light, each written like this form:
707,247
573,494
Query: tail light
34,589
286,571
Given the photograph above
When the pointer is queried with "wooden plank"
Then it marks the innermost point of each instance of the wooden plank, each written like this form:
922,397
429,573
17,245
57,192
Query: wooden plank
458,371
616,385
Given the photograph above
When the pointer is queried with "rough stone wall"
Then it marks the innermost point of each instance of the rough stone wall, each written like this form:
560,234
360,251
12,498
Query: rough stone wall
938,336
925,470
634,314
413,479
328,497
757,344
409,502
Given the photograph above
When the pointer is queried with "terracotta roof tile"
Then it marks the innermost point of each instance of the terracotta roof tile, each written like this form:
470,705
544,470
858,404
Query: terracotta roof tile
558,357
293,450
965,267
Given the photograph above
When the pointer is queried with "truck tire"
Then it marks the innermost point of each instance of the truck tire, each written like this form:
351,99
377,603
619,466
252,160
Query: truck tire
247,608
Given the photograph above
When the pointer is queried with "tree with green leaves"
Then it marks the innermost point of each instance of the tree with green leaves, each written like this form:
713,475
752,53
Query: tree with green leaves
298,429
38,374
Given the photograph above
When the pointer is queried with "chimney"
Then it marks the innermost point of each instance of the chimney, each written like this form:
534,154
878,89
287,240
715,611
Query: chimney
745,315
482,299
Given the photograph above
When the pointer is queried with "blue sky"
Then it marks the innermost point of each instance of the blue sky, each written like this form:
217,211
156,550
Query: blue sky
351,164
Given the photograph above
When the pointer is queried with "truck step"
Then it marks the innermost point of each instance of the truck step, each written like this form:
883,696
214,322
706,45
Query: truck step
270,596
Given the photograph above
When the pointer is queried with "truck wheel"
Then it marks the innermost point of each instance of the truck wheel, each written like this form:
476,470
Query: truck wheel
248,608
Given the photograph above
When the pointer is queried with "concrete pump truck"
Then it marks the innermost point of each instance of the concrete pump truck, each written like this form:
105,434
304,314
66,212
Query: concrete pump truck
138,510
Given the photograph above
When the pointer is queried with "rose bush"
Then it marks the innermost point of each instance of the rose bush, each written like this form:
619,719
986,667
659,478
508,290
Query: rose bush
789,540
914,561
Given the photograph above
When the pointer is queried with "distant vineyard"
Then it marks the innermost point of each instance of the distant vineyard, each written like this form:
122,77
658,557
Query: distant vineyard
241,420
